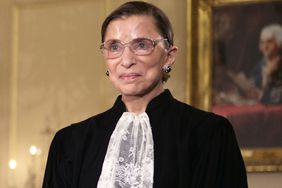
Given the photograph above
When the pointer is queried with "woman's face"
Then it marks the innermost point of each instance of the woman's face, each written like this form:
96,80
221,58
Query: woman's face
136,75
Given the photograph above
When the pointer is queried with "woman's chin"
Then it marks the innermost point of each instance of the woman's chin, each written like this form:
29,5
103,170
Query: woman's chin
130,92
140,91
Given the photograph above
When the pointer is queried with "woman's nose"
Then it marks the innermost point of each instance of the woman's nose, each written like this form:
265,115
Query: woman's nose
127,58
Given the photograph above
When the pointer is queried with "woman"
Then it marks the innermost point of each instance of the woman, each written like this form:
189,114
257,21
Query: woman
148,138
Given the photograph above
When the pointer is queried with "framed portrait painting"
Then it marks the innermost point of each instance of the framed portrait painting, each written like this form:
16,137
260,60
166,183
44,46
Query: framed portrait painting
238,49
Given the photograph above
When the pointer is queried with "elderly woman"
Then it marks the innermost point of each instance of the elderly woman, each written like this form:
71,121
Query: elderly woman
148,138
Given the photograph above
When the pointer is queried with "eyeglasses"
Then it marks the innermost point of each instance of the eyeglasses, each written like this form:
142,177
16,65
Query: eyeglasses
139,46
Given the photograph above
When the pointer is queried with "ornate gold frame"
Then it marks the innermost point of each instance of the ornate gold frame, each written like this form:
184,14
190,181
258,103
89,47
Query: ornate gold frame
199,75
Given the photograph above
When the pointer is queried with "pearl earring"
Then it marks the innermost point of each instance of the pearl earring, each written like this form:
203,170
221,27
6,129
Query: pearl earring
167,69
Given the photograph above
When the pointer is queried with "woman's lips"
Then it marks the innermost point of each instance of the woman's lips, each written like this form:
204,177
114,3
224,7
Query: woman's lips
129,76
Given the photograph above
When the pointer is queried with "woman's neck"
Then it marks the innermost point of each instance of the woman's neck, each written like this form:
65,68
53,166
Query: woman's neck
138,104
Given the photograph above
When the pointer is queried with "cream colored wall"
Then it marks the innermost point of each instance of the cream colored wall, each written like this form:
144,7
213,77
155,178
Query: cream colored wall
5,46
265,180
52,74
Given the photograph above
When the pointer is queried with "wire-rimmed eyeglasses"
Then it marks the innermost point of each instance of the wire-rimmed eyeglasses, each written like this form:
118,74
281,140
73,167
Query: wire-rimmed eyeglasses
140,46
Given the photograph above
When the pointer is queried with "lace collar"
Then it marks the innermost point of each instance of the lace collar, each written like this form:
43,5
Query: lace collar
129,161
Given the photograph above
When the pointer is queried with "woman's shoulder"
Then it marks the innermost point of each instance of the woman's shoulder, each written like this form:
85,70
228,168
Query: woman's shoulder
202,127
69,141
197,117
80,129
188,111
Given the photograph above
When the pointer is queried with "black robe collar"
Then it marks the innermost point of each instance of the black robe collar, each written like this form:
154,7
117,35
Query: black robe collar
156,103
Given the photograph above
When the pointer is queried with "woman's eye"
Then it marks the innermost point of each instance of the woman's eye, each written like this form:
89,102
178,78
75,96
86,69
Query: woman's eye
114,47
142,44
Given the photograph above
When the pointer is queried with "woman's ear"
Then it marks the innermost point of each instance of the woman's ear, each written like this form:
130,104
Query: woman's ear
171,55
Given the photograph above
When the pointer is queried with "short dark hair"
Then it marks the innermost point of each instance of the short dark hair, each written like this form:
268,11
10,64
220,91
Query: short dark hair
141,8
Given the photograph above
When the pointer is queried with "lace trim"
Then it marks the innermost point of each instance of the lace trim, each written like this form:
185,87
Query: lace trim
129,161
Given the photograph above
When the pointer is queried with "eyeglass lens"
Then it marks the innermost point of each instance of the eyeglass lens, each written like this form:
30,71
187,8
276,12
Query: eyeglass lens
139,46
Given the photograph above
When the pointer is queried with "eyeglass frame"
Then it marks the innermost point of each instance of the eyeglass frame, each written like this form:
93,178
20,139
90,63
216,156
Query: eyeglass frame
155,42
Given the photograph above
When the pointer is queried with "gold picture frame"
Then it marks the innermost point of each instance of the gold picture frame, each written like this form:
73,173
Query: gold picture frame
200,72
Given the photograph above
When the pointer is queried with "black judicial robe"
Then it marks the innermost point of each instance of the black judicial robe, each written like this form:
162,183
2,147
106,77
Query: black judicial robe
192,148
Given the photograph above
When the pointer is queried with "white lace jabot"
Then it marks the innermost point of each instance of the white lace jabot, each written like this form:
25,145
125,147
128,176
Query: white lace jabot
129,161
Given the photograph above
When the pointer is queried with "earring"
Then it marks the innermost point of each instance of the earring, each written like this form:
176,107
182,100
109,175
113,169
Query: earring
107,73
167,69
